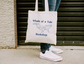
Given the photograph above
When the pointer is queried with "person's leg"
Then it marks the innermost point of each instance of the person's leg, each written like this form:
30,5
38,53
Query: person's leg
46,46
57,4
53,49
53,6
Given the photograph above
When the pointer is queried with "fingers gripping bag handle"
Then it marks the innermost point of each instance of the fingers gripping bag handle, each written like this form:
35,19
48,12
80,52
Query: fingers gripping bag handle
46,6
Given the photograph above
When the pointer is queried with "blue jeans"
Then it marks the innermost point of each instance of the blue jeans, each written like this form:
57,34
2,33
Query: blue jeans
53,6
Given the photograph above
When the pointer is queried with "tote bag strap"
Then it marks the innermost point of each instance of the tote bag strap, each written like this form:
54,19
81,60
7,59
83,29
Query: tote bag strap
46,6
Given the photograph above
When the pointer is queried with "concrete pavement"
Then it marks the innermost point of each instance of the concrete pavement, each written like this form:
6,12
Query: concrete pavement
30,55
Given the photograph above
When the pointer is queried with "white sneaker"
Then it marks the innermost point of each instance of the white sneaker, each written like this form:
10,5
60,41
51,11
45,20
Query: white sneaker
48,55
55,50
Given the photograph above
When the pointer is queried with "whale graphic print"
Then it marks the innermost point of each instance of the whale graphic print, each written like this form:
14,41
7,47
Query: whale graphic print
42,28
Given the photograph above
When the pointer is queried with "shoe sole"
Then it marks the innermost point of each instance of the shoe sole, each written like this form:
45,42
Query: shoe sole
51,60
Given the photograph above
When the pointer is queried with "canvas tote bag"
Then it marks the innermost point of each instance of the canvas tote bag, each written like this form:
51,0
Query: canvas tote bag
42,25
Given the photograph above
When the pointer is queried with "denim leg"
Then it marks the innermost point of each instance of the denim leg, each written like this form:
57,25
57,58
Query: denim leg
46,46
57,4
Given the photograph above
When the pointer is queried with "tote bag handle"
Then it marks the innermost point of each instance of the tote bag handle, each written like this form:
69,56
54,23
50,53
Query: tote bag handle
46,6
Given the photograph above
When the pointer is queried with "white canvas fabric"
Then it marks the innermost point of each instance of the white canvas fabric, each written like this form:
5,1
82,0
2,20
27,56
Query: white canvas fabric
42,25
